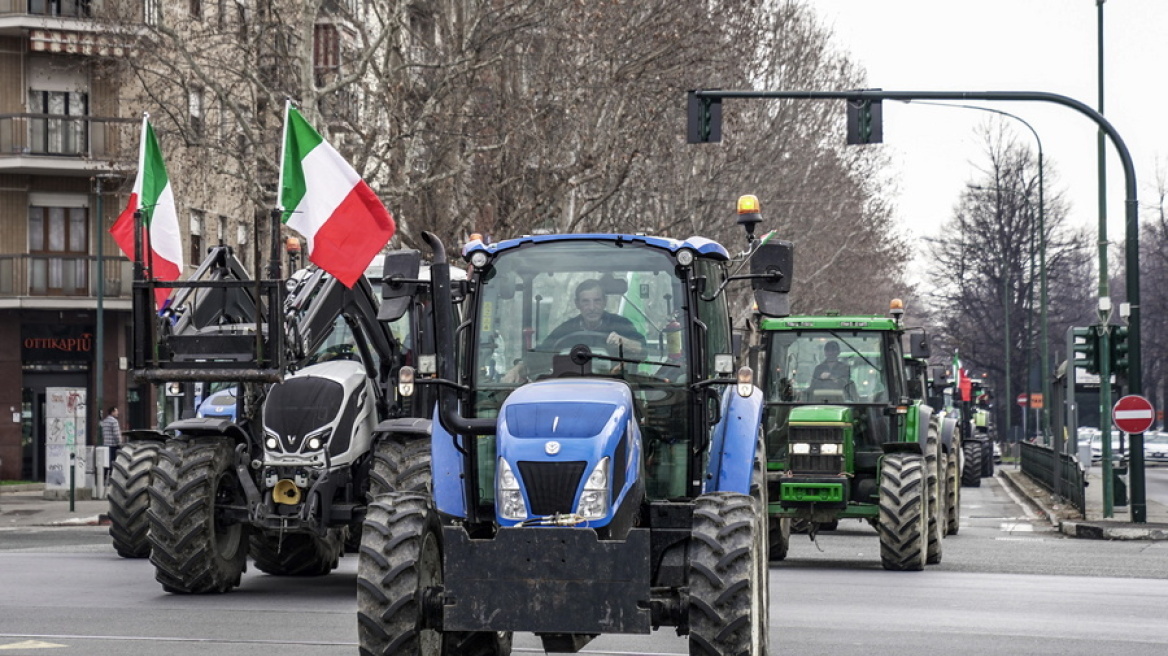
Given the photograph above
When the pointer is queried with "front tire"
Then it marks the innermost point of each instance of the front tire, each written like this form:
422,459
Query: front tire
129,498
952,496
971,468
935,468
194,548
400,558
904,521
727,586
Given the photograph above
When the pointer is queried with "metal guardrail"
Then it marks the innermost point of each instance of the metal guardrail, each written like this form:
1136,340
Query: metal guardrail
1039,462
62,275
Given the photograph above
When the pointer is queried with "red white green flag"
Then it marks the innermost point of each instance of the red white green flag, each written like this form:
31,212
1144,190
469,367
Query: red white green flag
323,198
153,195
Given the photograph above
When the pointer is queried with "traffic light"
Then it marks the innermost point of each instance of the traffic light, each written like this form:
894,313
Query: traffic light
1086,347
703,119
1119,356
865,122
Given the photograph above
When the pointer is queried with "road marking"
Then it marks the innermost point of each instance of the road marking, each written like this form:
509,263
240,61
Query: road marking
31,644
1021,539
1017,527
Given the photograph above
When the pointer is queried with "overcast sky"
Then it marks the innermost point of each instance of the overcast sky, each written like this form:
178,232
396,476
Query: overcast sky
1011,45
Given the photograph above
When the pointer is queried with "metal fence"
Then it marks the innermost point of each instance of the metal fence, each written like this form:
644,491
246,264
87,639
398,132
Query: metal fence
1039,462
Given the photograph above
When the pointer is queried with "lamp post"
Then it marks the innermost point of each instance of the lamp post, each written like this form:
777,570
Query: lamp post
1044,423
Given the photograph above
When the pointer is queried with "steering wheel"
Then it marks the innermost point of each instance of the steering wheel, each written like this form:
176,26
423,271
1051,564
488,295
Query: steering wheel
588,338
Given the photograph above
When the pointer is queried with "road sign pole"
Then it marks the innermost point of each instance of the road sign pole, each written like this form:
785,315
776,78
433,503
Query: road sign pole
1133,414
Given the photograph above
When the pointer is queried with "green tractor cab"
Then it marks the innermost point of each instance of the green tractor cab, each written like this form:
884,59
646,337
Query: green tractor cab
850,435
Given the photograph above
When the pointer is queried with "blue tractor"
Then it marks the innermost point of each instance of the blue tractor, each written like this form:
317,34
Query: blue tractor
594,463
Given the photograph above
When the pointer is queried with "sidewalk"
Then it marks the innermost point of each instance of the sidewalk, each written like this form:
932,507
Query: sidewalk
1093,526
25,506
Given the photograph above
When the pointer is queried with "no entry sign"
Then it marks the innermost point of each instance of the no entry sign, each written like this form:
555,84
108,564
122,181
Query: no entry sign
1133,414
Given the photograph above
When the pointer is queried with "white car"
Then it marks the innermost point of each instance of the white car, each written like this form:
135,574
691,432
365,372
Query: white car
1097,446
1155,447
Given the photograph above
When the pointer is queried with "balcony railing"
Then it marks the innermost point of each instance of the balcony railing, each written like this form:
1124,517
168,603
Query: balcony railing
79,137
51,8
63,276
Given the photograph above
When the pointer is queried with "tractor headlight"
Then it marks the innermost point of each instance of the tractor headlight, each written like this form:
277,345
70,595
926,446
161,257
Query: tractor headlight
831,449
318,439
801,448
271,440
594,501
508,496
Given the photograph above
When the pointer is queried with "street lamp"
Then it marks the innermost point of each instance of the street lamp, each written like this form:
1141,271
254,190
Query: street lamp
1043,298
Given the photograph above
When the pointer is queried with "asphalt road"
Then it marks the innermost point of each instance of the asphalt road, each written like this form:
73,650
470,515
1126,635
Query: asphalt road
1006,586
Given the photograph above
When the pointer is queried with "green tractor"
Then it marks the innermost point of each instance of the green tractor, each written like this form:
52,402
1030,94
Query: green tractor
849,434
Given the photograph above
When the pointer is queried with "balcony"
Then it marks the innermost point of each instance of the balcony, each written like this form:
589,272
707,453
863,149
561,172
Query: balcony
63,281
49,144
19,16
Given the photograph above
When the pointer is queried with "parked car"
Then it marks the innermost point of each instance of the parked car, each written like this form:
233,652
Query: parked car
1155,447
1118,442
997,453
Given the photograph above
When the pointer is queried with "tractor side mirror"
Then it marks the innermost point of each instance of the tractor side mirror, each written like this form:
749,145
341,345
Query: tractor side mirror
396,294
773,264
919,346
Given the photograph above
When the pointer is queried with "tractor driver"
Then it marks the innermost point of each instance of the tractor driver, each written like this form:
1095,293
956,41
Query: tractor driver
617,331
831,373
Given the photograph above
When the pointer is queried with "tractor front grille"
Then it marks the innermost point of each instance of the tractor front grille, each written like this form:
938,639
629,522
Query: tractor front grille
816,462
551,486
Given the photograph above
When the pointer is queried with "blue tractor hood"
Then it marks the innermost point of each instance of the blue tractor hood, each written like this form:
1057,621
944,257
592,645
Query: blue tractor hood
553,434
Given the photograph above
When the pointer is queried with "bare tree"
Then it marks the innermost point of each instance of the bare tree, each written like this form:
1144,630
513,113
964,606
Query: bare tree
983,267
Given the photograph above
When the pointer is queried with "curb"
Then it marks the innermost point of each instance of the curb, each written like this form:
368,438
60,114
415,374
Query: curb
1097,531
1051,517
27,487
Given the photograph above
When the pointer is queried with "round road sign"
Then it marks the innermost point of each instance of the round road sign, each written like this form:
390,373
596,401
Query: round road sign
1133,414
1023,400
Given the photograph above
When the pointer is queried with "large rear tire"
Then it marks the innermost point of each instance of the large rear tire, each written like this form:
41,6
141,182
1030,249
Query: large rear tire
129,498
935,470
952,496
194,547
987,458
401,463
779,537
904,512
296,554
727,586
401,556
971,468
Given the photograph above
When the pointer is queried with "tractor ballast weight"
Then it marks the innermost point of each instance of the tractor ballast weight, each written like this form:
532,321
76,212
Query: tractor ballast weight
619,468
849,434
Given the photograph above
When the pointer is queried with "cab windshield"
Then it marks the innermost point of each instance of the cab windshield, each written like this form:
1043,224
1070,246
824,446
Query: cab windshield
620,309
826,367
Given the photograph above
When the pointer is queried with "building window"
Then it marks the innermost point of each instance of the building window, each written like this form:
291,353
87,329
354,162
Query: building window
221,233
64,8
198,218
196,9
58,251
198,114
326,52
152,12
65,130
241,240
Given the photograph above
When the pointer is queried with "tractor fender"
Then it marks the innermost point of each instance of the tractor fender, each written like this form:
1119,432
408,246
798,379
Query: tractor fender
415,427
207,427
948,429
924,422
732,443
145,435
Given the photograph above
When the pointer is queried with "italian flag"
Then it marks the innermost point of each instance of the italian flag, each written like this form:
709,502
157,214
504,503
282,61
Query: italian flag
325,200
154,197
961,381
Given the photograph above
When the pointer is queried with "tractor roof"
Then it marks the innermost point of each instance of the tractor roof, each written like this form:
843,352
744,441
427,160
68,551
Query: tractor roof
700,245
873,323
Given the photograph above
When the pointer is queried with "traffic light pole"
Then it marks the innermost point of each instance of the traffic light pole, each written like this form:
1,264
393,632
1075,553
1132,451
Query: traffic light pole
705,125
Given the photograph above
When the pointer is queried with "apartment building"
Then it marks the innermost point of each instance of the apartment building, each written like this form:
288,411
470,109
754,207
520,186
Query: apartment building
66,149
